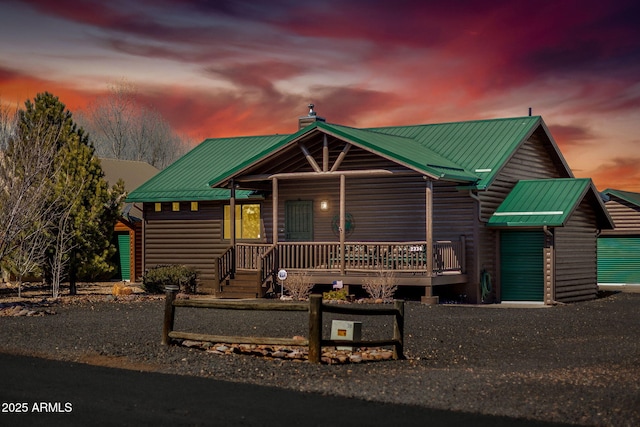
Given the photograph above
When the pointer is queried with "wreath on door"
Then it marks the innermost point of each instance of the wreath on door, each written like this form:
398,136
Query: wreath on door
349,224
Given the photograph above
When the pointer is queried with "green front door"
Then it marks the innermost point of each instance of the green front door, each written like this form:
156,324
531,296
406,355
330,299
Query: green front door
619,260
124,245
298,221
522,265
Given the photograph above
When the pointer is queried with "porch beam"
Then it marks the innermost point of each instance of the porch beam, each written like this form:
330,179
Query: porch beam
428,297
309,157
327,175
343,198
341,157
232,225
325,154
274,200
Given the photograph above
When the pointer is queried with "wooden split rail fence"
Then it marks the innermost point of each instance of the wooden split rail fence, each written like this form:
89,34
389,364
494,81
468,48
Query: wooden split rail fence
315,307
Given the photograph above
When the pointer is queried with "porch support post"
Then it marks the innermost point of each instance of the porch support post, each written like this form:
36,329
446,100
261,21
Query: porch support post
343,196
232,226
274,200
325,154
428,297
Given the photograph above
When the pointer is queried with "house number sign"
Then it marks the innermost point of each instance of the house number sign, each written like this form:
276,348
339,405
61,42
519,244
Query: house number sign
282,276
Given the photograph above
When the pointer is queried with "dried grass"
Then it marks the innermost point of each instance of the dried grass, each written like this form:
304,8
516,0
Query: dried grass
298,285
381,286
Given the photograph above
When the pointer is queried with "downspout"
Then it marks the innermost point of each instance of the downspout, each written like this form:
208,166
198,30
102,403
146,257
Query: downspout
549,234
476,238
477,199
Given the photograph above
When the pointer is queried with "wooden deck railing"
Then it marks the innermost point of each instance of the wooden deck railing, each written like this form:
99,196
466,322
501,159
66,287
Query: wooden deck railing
269,264
224,264
248,254
448,257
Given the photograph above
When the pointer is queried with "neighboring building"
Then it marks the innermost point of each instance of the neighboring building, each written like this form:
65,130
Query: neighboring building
619,249
446,207
128,229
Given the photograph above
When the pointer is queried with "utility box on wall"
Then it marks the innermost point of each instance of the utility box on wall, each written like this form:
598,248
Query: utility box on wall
346,330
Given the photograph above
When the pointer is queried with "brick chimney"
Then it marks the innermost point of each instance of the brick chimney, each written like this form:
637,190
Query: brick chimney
312,117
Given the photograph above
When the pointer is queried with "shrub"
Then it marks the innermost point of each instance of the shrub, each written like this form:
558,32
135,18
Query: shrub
299,286
382,286
156,278
339,295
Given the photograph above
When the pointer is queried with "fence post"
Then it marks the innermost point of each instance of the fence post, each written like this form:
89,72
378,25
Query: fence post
398,330
315,328
169,312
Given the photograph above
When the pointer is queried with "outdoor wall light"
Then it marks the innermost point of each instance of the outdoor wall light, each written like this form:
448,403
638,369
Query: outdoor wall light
324,205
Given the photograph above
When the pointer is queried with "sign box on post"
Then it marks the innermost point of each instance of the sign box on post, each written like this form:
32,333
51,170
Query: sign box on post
346,330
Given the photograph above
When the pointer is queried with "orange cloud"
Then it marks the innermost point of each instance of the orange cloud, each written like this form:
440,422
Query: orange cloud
619,173
17,88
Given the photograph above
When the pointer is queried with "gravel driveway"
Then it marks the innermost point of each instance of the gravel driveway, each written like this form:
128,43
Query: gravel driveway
577,363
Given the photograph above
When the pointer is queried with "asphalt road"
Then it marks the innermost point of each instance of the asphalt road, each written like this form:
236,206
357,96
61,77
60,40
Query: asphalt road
64,393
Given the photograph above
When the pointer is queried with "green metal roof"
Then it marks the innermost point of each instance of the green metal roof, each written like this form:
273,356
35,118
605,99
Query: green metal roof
628,196
187,178
402,150
536,203
261,150
481,147
466,152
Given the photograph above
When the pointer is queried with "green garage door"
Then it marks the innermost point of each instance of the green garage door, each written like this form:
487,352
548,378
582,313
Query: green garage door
521,265
619,260
123,255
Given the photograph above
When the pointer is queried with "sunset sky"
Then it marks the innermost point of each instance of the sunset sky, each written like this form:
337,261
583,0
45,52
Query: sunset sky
234,67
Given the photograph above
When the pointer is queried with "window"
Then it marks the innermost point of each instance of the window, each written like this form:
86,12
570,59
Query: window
158,207
175,206
247,221
194,206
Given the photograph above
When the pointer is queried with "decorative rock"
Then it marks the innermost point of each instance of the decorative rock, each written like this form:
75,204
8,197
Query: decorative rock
190,343
355,358
222,348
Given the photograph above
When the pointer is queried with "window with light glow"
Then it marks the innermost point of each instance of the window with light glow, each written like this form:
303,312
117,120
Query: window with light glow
247,221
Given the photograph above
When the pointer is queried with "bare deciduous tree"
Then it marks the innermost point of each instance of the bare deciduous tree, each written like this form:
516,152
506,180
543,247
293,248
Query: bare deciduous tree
25,209
62,248
122,127
29,255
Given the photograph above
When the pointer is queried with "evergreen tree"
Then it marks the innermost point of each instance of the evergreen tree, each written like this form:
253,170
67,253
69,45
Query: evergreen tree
85,207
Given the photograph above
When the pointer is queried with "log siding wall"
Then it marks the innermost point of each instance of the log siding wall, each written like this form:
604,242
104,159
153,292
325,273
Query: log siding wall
190,238
626,217
576,253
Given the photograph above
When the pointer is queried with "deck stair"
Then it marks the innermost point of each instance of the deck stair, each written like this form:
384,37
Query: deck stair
245,284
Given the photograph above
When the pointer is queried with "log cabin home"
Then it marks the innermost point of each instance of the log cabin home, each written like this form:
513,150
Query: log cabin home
487,210
619,249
